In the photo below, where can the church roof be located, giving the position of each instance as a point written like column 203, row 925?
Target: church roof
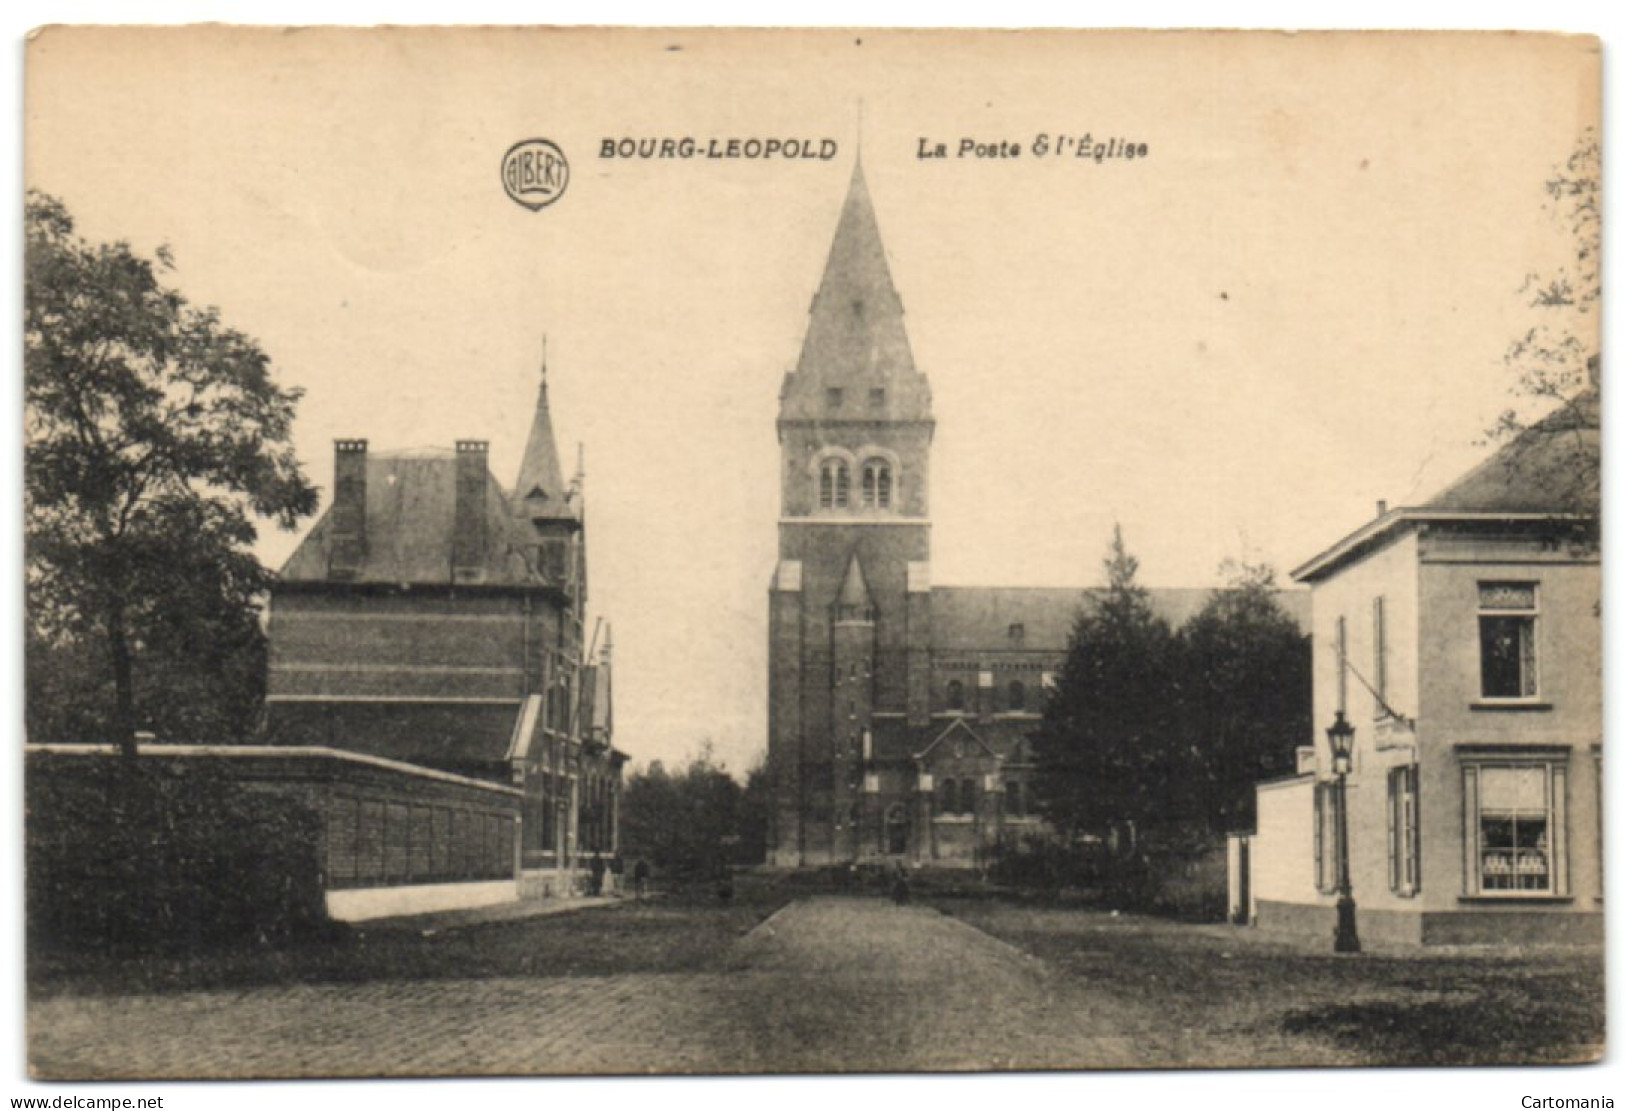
column 541, row 491
column 983, row 618
column 855, row 339
column 411, row 507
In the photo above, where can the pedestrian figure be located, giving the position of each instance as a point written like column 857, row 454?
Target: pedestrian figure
column 598, row 869
column 725, row 883
column 640, row 878
column 899, row 886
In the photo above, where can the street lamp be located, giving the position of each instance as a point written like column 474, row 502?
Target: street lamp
column 1341, row 736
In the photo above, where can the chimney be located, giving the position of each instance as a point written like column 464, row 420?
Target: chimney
column 349, row 544
column 1382, row 507
column 468, row 536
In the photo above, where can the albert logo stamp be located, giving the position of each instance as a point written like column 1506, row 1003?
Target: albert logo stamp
column 535, row 173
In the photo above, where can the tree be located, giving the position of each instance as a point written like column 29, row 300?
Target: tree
column 690, row 822
column 754, row 807
column 1247, row 694
column 1105, row 751
column 155, row 437
column 1556, row 363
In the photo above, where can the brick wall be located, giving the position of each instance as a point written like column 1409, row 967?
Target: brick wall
column 383, row 823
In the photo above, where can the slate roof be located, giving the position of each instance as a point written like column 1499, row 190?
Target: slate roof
column 1545, row 469
column 411, row 510
column 855, row 335
column 978, row 618
column 541, row 492
column 1550, row 470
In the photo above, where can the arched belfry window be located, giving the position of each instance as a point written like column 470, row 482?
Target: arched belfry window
column 834, row 484
column 877, row 484
column 956, row 695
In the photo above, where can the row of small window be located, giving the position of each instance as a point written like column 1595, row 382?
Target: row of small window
column 1015, row 696
column 835, row 485
column 958, row 797
column 1507, row 612
column 1514, row 822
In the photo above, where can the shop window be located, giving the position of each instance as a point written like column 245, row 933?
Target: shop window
column 1515, row 827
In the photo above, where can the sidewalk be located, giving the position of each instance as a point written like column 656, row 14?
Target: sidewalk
column 440, row 921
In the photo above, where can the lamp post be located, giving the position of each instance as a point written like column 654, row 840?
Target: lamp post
column 1341, row 736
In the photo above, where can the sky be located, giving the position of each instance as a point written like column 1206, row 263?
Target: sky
column 1297, row 303
column 1046, row 374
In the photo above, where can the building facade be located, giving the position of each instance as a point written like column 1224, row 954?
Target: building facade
column 899, row 711
column 1462, row 640
column 434, row 618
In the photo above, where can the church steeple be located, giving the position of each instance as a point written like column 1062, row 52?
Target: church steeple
column 541, row 492
column 855, row 362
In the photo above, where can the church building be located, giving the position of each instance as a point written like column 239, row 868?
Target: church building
column 899, row 712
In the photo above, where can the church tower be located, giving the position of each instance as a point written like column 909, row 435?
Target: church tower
column 849, row 609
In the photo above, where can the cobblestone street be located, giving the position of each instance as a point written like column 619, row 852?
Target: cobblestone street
column 824, row 984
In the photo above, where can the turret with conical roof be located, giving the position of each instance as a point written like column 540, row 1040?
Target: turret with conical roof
column 552, row 507
column 541, row 492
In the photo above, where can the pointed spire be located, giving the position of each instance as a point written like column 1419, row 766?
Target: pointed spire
column 856, row 268
column 856, row 347
column 540, row 491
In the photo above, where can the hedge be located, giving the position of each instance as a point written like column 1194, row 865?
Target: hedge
column 149, row 856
